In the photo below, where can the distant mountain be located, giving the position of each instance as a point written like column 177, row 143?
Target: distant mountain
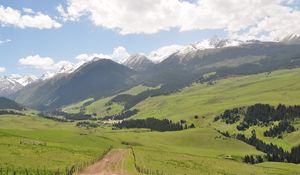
column 8, row 86
column 138, row 62
column 24, row 79
column 6, row 103
column 237, row 58
column 47, row 75
column 13, row 83
column 200, row 62
column 291, row 39
column 98, row 78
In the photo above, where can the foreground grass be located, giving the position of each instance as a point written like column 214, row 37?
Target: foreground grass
column 33, row 143
column 52, row 145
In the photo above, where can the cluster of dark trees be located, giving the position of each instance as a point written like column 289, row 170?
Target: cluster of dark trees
column 87, row 124
column 65, row 117
column 10, row 112
column 264, row 114
column 44, row 115
column 230, row 116
column 277, row 131
column 274, row 153
column 121, row 116
column 153, row 124
column 253, row 159
column 78, row 116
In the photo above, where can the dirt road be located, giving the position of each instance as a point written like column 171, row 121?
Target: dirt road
column 112, row 164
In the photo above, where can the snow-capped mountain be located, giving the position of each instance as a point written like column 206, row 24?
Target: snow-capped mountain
column 13, row 83
column 47, row 75
column 138, row 62
column 215, row 42
column 8, row 86
column 65, row 69
column 212, row 43
column 24, row 80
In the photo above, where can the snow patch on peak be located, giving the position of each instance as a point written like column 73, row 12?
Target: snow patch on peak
column 24, row 80
column 138, row 62
column 47, row 75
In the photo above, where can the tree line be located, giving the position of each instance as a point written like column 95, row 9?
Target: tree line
column 87, row 124
column 230, row 116
column 278, row 130
column 274, row 152
column 265, row 113
column 260, row 114
column 63, row 116
column 10, row 112
column 153, row 124
column 121, row 116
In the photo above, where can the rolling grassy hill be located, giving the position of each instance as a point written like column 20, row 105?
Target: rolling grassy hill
column 207, row 100
column 102, row 107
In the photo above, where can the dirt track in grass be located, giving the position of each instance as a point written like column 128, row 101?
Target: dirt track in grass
column 112, row 164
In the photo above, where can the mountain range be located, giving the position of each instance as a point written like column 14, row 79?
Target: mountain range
column 192, row 63
column 13, row 83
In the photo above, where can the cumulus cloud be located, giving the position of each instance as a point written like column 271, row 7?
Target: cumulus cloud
column 2, row 69
column 249, row 18
column 44, row 63
column 48, row 64
column 119, row 55
column 37, row 62
column 31, row 19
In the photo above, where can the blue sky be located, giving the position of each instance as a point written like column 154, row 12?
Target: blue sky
column 89, row 33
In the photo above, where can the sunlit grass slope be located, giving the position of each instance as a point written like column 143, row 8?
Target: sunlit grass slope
column 209, row 100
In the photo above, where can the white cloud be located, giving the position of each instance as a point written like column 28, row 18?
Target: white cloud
column 2, row 69
column 44, row 63
column 119, row 55
column 37, row 62
column 13, row 17
column 48, row 64
column 88, row 57
column 248, row 18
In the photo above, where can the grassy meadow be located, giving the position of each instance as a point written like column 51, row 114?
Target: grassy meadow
column 30, row 142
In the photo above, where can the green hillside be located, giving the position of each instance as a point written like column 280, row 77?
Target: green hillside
column 208, row 100
column 103, row 107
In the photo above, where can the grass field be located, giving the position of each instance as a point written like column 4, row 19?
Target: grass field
column 210, row 100
column 34, row 143
column 52, row 145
